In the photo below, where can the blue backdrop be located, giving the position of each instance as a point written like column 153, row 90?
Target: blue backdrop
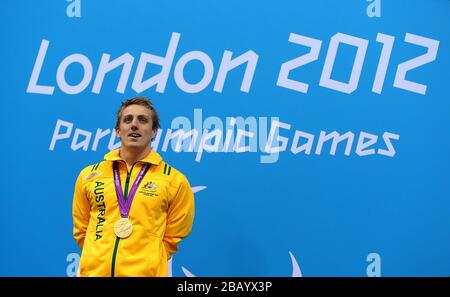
column 355, row 93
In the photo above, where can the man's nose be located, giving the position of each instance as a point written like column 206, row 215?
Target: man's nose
column 134, row 124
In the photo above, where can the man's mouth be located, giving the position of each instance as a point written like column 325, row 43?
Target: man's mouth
column 134, row 135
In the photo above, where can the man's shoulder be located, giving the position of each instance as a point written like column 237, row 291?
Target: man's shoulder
column 95, row 167
column 170, row 172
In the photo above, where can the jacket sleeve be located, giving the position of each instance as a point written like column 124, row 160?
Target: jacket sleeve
column 80, row 212
column 180, row 217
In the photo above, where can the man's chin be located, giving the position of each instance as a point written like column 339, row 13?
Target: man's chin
column 135, row 145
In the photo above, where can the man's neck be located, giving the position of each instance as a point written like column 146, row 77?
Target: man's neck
column 132, row 156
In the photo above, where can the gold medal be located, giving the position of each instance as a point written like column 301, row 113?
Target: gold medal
column 123, row 228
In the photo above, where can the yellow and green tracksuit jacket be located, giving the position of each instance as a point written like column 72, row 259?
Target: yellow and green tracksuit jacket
column 162, row 214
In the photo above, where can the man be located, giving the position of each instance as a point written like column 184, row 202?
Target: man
column 131, row 210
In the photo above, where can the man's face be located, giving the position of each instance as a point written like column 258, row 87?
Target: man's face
column 135, row 127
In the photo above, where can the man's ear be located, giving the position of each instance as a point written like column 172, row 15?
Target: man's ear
column 117, row 132
column 154, row 132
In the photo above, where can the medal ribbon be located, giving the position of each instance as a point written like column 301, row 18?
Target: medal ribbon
column 126, row 205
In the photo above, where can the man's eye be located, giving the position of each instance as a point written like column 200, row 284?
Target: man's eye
column 127, row 120
column 142, row 119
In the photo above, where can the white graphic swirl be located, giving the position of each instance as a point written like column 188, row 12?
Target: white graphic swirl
column 198, row 189
column 187, row 272
column 296, row 272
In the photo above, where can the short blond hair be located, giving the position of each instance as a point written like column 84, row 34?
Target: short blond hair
column 143, row 101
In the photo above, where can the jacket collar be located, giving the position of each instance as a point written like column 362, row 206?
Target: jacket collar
column 152, row 158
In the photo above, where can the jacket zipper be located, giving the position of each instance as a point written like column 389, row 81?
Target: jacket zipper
column 116, row 244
